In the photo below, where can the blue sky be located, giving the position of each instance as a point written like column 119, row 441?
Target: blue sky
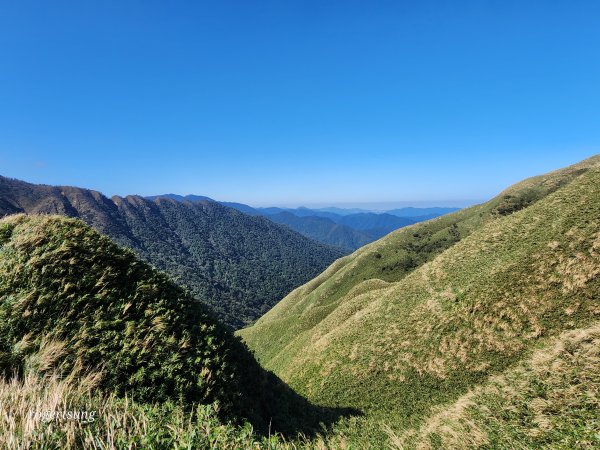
column 298, row 102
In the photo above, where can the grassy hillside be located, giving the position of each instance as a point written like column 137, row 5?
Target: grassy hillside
column 552, row 398
column 110, row 422
column 74, row 302
column 420, row 317
column 239, row 265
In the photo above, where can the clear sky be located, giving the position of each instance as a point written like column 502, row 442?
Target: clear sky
column 298, row 102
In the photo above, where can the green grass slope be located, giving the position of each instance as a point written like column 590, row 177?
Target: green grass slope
column 72, row 296
column 421, row 316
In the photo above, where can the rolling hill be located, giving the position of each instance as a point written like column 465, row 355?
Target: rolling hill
column 429, row 328
column 74, row 305
column 239, row 265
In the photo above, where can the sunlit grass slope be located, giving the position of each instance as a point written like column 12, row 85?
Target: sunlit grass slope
column 422, row 316
column 552, row 398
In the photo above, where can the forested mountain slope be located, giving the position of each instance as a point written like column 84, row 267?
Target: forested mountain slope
column 427, row 313
column 237, row 264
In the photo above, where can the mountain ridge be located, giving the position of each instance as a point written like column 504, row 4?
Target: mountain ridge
column 239, row 265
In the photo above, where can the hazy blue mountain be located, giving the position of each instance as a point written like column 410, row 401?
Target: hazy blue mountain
column 342, row 211
column 377, row 224
column 421, row 212
column 348, row 228
column 323, row 230
column 307, row 212
column 270, row 210
column 320, row 228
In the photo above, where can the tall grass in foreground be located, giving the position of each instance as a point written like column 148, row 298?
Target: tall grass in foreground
column 111, row 422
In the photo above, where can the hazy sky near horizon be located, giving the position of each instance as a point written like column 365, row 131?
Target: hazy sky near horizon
column 298, row 102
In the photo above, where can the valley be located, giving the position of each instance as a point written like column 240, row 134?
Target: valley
column 299, row 225
column 442, row 334
column 348, row 229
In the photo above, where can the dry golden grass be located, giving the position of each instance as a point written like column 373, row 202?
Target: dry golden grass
column 109, row 423
column 553, row 393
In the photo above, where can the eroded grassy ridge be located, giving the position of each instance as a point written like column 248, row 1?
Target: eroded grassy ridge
column 390, row 259
column 518, row 272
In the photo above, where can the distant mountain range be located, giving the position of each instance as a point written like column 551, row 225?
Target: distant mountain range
column 348, row 229
column 479, row 329
column 238, row 264
column 322, row 229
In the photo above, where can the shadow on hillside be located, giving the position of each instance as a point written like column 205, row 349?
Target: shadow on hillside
column 291, row 414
